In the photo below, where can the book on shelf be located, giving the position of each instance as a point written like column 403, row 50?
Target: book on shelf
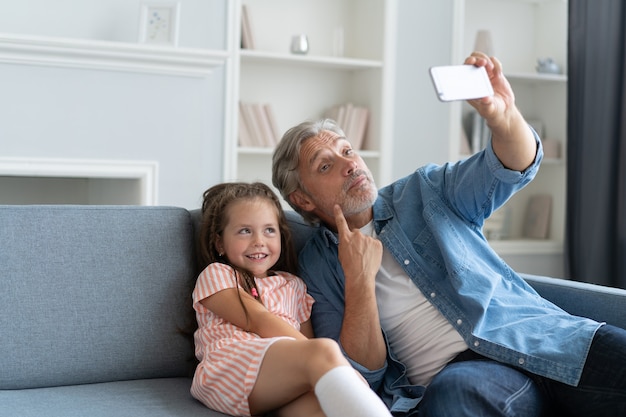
column 265, row 127
column 260, row 125
column 537, row 217
column 253, row 128
column 345, row 120
column 353, row 120
column 247, row 37
column 269, row 113
column 245, row 136
column 358, row 126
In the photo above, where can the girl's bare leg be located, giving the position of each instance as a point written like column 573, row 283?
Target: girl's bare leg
column 304, row 406
column 310, row 378
column 290, row 369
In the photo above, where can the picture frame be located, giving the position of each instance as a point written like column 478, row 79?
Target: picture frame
column 159, row 23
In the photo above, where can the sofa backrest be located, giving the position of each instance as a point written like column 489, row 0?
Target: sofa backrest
column 94, row 294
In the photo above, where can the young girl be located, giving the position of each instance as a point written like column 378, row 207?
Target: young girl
column 253, row 316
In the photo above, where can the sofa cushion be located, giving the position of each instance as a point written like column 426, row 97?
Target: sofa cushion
column 149, row 397
column 94, row 294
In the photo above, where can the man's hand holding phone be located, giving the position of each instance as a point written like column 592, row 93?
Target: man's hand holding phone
column 460, row 82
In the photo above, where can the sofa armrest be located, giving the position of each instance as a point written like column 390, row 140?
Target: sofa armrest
column 601, row 303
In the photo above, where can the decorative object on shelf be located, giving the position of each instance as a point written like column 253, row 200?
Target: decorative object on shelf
column 158, row 23
column 464, row 145
column 300, row 44
column 483, row 42
column 257, row 125
column 547, row 66
column 551, row 148
column 247, row 37
column 537, row 219
column 353, row 120
column 478, row 131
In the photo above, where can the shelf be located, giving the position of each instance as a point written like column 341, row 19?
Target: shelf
column 310, row 61
column 526, row 247
column 540, row 1
column 368, row 154
column 248, row 150
column 552, row 161
column 537, row 77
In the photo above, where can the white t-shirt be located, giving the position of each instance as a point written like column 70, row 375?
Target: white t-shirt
column 419, row 335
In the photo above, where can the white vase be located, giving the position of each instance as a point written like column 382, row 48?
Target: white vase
column 483, row 42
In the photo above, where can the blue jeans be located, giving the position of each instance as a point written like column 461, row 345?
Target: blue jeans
column 475, row 386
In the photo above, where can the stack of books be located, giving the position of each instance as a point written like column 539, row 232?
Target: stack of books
column 353, row 120
column 257, row 125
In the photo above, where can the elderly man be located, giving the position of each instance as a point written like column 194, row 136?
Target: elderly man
column 405, row 281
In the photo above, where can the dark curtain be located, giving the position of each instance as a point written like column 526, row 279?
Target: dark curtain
column 596, row 144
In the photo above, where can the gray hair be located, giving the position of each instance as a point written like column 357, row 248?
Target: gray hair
column 285, row 175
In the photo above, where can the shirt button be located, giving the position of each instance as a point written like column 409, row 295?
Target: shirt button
column 406, row 262
column 476, row 343
column 459, row 322
column 521, row 361
column 432, row 295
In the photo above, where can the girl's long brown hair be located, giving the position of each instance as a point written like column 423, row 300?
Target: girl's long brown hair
column 215, row 217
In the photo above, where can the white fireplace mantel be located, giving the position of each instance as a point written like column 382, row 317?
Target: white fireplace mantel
column 144, row 172
column 107, row 55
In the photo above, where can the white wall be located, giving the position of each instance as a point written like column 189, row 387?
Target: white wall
column 421, row 121
column 55, row 111
column 201, row 21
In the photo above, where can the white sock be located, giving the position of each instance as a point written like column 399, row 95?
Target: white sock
column 342, row 393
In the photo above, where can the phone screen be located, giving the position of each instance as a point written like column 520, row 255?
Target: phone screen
column 460, row 82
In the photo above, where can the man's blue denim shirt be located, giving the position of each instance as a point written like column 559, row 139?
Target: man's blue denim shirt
column 431, row 223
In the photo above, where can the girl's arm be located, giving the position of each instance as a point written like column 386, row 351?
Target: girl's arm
column 260, row 320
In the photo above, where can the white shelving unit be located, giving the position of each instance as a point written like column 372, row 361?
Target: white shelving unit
column 302, row 87
column 523, row 31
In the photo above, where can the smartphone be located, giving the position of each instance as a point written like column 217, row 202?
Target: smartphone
column 460, row 82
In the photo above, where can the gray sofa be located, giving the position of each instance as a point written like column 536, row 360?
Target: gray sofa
column 95, row 301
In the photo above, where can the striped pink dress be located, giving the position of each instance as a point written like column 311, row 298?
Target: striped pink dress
column 230, row 357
